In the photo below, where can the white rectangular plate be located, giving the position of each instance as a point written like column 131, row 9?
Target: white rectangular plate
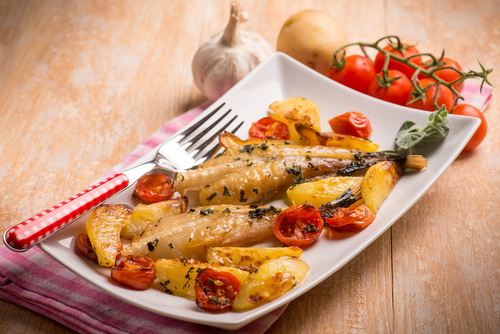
column 277, row 78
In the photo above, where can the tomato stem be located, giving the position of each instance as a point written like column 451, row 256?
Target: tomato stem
column 396, row 44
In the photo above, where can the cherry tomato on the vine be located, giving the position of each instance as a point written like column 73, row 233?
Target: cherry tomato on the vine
column 269, row 128
column 445, row 96
column 216, row 290
column 357, row 73
column 352, row 219
column 351, row 123
column 153, row 188
column 478, row 137
column 134, row 271
column 396, row 65
column 396, row 93
column 447, row 75
column 298, row 225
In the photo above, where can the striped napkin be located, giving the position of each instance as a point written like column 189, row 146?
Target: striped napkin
column 37, row 282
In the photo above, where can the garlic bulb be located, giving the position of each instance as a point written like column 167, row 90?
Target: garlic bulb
column 227, row 57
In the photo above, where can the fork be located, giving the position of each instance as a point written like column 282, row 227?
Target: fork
column 178, row 153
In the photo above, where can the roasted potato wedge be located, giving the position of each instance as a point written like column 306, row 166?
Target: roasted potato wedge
column 274, row 278
column 246, row 258
column 314, row 137
column 103, row 228
column 322, row 191
column 296, row 109
column 145, row 215
column 178, row 276
column 227, row 139
column 378, row 183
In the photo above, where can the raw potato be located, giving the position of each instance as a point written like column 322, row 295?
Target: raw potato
column 103, row 227
column 320, row 192
column 348, row 142
column 178, row 276
column 145, row 215
column 378, row 183
column 246, row 258
column 312, row 37
column 274, row 278
column 296, row 109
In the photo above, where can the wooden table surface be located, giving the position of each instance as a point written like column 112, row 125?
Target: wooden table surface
column 82, row 83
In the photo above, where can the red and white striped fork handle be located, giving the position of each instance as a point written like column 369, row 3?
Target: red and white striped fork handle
column 30, row 232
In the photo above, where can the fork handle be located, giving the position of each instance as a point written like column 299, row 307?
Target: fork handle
column 31, row 231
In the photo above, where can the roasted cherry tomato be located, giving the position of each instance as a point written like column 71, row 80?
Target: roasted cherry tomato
column 351, row 123
column 447, row 75
column 357, row 73
column 269, row 128
column 216, row 290
column 134, row 271
column 396, row 93
column 298, row 225
column 352, row 219
column 85, row 247
column 445, row 96
column 396, row 65
column 478, row 137
column 153, row 188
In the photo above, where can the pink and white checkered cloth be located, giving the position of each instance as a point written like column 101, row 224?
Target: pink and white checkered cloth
column 37, row 282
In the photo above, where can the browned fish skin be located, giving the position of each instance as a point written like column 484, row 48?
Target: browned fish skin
column 236, row 158
column 186, row 235
column 260, row 183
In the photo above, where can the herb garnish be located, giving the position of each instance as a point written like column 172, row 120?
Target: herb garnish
column 242, row 196
column 295, row 170
column 211, row 197
column 411, row 135
column 206, row 212
column 226, row 192
column 153, row 244
column 247, row 148
column 310, row 228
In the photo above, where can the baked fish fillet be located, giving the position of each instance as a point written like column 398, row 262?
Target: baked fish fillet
column 241, row 159
column 186, row 235
column 253, row 174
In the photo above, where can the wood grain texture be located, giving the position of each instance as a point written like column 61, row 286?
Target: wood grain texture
column 83, row 83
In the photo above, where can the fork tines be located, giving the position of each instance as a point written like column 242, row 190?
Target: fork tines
column 200, row 135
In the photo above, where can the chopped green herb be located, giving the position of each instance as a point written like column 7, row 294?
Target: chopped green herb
column 206, row 212
column 255, row 190
column 171, row 245
column 247, row 149
column 211, row 197
column 226, row 192
column 310, row 228
column 152, row 244
column 242, row 196
column 295, row 170
column 226, row 210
